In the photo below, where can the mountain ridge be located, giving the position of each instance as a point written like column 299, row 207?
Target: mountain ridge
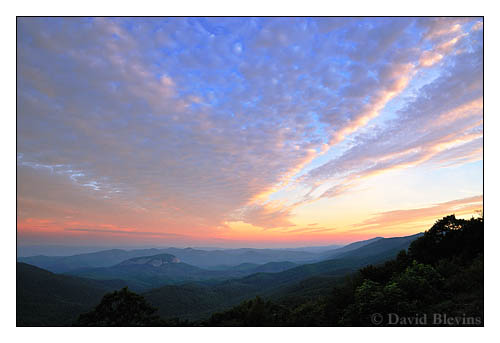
column 201, row 292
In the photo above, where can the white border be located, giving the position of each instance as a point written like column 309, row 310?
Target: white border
column 254, row 7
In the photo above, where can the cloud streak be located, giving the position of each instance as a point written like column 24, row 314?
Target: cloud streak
column 179, row 125
column 443, row 121
column 121, row 232
column 391, row 219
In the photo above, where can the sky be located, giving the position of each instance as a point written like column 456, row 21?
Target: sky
column 245, row 132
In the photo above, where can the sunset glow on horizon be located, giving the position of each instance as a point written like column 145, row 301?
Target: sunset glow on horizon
column 245, row 132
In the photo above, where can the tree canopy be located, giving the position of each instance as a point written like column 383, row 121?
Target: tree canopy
column 121, row 308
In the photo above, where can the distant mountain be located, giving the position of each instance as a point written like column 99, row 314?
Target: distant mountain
column 105, row 258
column 232, row 257
column 316, row 249
column 47, row 299
column 388, row 246
column 299, row 281
column 197, row 301
column 251, row 268
column 241, row 266
column 57, row 250
column 338, row 251
column 182, row 290
column 154, row 261
column 208, row 259
column 273, row 267
column 195, row 257
column 147, row 272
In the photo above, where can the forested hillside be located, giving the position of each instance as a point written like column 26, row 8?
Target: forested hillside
column 48, row 299
column 439, row 281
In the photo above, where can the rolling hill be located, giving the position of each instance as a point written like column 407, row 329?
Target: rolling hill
column 148, row 272
column 314, row 278
column 47, row 299
column 380, row 246
column 331, row 253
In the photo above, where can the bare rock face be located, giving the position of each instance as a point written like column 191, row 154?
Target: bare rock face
column 155, row 261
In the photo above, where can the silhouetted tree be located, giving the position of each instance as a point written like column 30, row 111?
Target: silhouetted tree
column 254, row 312
column 461, row 238
column 121, row 308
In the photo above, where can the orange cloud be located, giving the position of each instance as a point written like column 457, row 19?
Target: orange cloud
column 268, row 215
column 429, row 58
column 392, row 219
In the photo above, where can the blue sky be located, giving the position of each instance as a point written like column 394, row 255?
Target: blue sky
column 245, row 131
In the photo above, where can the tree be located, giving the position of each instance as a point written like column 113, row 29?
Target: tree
column 121, row 308
column 461, row 238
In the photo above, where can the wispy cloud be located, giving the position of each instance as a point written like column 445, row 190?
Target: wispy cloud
column 178, row 125
column 121, row 232
column 443, row 123
column 387, row 220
